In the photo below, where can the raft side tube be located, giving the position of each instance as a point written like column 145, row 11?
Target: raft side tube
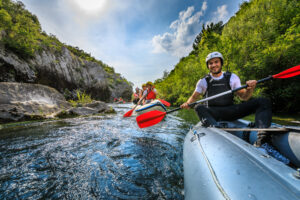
column 218, row 165
column 286, row 142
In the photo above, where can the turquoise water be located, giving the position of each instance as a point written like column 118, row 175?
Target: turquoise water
column 102, row 157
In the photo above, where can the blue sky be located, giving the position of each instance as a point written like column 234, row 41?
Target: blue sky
column 139, row 38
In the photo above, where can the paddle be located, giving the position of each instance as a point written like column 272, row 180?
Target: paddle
column 164, row 102
column 129, row 113
column 154, row 117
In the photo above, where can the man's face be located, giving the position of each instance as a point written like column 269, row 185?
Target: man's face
column 214, row 65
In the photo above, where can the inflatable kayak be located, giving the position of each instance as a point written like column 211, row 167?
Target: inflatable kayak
column 154, row 105
column 221, row 164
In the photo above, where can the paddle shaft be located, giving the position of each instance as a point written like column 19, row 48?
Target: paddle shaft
column 221, row 94
column 129, row 113
column 140, row 100
column 137, row 104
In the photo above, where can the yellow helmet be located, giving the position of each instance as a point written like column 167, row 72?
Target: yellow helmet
column 144, row 85
column 149, row 83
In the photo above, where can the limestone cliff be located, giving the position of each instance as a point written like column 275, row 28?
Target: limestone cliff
column 65, row 72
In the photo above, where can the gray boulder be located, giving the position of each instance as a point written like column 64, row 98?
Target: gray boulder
column 24, row 101
column 93, row 108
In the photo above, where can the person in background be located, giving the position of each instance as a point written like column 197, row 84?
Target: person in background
column 151, row 92
column 143, row 92
column 136, row 95
column 223, row 108
column 121, row 100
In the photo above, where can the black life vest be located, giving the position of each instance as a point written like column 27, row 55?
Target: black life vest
column 218, row 86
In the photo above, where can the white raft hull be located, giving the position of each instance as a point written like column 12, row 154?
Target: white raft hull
column 154, row 105
column 219, row 165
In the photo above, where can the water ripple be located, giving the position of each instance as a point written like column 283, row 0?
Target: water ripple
column 101, row 157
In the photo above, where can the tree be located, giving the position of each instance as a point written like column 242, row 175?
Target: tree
column 263, row 38
column 217, row 28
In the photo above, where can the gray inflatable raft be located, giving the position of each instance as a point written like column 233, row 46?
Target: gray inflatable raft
column 220, row 165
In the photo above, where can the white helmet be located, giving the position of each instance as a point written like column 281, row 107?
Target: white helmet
column 214, row 55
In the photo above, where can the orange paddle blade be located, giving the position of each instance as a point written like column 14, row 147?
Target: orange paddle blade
column 294, row 71
column 150, row 118
column 129, row 113
column 164, row 102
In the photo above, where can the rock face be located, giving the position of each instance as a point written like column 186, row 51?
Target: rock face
column 29, row 101
column 24, row 101
column 65, row 72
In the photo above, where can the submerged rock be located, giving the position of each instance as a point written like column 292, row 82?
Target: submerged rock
column 92, row 108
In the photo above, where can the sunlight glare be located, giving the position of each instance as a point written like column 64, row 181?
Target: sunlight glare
column 90, row 5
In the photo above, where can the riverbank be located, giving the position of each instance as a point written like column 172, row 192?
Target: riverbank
column 189, row 116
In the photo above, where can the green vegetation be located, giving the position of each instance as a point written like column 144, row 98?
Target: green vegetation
column 83, row 98
column 191, row 117
column 262, row 39
column 21, row 33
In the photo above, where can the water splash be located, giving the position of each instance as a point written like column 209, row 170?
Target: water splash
column 102, row 157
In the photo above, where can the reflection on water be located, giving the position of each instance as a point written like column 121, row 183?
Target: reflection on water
column 103, row 157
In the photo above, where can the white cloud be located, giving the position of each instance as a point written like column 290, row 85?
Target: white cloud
column 184, row 30
column 204, row 6
column 115, row 32
column 90, row 6
column 221, row 14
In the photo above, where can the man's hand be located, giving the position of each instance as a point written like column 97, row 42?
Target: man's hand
column 192, row 98
column 246, row 94
column 185, row 105
column 251, row 84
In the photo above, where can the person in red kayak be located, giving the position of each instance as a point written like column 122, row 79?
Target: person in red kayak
column 150, row 94
column 223, row 108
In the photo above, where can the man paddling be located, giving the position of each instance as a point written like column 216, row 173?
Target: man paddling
column 223, row 108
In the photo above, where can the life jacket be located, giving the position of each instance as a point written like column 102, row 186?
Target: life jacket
column 216, row 87
column 151, row 95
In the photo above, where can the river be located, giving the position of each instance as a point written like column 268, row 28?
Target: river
column 99, row 157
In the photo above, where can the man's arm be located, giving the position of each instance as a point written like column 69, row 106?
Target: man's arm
column 192, row 99
column 141, row 94
column 142, row 99
column 154, row 90
column 246, row 94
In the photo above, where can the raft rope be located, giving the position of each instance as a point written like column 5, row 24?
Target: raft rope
column 211, row 169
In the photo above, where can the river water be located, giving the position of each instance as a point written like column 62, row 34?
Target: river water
column 100, row 157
